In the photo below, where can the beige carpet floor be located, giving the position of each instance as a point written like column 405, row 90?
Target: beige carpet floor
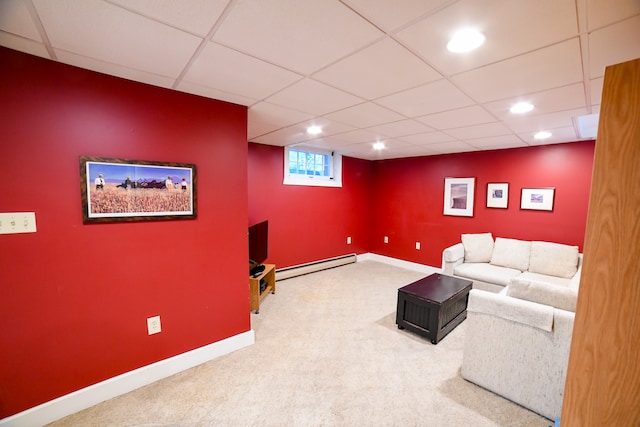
column 327, row 353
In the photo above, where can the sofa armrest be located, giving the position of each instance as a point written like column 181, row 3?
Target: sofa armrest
column 452, row 257
column 513, row 309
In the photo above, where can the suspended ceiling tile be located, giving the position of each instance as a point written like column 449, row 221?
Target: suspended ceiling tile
column 430, row 98
column 23, row 45
column 466, row 116
column 222, row 68
column 302, row 36
column 114, row 69
column 364, row 115
column 282, row 137
column 256, row 129
column 428, row 138
column 213, row 93
column 478, row 131
column 275, row 115
column 392, row 15
column 603, row 12
column 297, row 133
column 313, row 97
column 614, row 44
column 452, row 147
column 511, row 28
column 596, row 90
column 392, row 148
column 16, row 19
column 113, row 35
column 544, row 121
column 496, row 142
column 366, row 73
column 198, row 18
column 547, row 68
column 356, row 136
column 558, row 99
column 401, row 128
column 558, row 135
column 263, row 118
column 329, row 127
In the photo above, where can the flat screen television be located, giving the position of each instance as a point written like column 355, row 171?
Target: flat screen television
column 258, row 246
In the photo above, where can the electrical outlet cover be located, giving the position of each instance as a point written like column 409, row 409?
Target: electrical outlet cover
column 153, row 325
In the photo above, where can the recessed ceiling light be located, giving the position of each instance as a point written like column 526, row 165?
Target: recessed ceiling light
column 314, row 130
column 521, row 108
column 465, row 40
column 543, row 134
column 379, row 145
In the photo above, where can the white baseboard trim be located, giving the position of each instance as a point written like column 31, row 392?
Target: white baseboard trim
column 422, row 268
column 121, row 384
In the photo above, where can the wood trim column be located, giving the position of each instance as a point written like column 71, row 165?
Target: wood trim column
column 603, row 377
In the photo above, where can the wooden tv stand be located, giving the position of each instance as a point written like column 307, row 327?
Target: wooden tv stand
column 255, row 296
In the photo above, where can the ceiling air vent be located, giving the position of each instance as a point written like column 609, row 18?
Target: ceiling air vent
column 587, row 126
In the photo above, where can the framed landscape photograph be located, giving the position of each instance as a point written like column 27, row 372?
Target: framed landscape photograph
column 539, row 199
column 458, row 196
column 136, row 190
column 498, row 195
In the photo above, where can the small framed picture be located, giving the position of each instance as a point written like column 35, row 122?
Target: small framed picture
column 458, row 196
column 498, row 195
column 538, row 199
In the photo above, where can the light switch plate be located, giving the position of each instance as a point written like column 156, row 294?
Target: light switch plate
column 17, row 222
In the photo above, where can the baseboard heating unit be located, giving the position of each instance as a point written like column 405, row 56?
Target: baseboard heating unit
column 312, row 267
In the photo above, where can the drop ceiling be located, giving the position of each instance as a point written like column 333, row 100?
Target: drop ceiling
column 364, row 70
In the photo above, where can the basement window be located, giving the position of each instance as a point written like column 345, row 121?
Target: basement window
column 312, row 166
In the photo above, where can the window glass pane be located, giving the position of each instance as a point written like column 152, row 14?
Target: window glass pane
column 302, row 164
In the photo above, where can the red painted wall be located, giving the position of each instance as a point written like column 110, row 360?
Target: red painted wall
column 408, row 198
column 74, row 298
column 309, row 223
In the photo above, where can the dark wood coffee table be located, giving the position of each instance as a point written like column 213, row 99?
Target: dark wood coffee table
column 433, row 306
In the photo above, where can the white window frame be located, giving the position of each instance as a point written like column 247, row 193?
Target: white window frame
column 312, row 180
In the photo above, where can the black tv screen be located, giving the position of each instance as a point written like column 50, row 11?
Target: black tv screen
column 258, row 243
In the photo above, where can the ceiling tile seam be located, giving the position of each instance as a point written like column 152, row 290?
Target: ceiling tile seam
column 444, row 75
column 409, row 23
column 43, row 33
column 508, row 58
column 152, row 18
column 613, row 23
column 582, row 14
column 413, row 119
column 203, row 44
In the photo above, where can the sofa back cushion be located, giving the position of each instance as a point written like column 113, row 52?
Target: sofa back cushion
column 511, row 253
column 561, row 297
column 553, row 259
column 477, row 247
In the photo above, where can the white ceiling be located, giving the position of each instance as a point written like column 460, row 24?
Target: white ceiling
column 365, row 70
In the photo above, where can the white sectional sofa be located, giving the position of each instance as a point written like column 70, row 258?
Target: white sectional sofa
column 517, row 343
column 517, row 340
column 492, row 264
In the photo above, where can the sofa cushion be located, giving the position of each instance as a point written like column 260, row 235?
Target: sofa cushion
column 545, row 278
column 511, row 253
column 477, row 247
column 554, row 259
column 561, row 297
column 486, row 272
